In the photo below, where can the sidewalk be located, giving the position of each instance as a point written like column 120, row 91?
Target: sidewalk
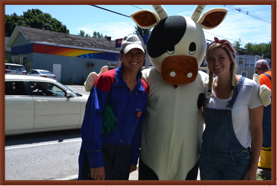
column 262, row 174
column 134, row 175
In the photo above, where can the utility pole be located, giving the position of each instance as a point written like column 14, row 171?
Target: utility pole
column 245, row 65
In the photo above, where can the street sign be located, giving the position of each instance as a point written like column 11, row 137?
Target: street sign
column 118, row 43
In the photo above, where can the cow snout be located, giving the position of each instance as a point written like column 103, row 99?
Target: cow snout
column 179, row 70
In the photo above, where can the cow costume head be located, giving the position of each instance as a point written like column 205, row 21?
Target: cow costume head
column 177, row 44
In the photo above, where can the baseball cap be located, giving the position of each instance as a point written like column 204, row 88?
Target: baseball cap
column 132, row 41
column 261, row 63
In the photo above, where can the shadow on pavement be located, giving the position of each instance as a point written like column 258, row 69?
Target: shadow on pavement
column 42, row 137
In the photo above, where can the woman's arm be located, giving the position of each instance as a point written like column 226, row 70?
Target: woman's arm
column 91, row 130
column 256, row 117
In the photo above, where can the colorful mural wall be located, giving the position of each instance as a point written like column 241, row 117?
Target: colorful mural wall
column 64, row 51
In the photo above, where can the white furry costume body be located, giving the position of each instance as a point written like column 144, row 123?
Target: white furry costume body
column 172, row 129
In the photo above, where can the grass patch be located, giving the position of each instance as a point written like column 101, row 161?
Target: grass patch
column 264, row 174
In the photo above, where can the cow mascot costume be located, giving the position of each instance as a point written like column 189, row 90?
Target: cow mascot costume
column 173, row 125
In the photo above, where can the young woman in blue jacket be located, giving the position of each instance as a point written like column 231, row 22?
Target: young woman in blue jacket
column 112, row 156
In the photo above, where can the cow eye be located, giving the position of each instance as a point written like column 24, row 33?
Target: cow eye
column 192, row 48
column 170, row 50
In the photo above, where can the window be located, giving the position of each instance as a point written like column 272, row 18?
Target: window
column 8, row 67
column 46, row 89
column 241, row 61
column 15, row 88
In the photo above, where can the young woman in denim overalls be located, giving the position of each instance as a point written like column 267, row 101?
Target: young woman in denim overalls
column 233, row 117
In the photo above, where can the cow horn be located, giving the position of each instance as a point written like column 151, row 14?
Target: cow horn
column 159, row 9
column 197, row 12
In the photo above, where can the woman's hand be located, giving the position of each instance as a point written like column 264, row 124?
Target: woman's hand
column 250, row 174
column 98, row 173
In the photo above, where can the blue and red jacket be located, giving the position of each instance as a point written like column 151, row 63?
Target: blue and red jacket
column 129, row 109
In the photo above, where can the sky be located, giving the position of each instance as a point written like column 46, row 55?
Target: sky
column 252, row 24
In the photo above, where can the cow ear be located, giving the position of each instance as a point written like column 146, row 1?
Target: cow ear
column 145, row 18
column 212, row 18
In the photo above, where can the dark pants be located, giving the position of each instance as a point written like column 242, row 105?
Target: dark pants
column 117, row 162
column 146, row 173
column 267, row 126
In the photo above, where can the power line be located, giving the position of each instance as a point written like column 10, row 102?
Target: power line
column 136, row 7
column 246, row 12
column 249, row 14
column 110, row 11
column 151, row 20
column 120, row 13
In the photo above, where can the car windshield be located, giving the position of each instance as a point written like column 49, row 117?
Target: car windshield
column 46, row 72
column 77, row 95
column 19, row 68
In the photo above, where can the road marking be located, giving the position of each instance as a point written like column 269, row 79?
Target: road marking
column 41, row 144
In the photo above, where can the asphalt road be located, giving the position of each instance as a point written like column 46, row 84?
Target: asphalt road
column 42, row 156
column 45, row 155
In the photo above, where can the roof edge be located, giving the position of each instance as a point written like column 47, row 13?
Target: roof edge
column 13, row 36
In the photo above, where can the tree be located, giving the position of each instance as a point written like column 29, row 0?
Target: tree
column 259, row 49
column 98, row 35
column 34, row 18
column 141, row 31
column 236, row 44
column 95, row 34
column 82, row 33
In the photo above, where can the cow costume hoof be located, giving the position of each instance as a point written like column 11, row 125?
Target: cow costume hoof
column 146, row 173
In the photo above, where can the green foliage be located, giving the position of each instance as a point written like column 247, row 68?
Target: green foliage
column 34, row 18
column 142, row 31
column 255, row 49
column 95, row 34
column 259, row 49
column 98, row 35
column 82, row 33
column 263, row 174
column 236, row 44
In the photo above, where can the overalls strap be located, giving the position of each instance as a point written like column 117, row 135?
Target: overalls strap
column 235, row 94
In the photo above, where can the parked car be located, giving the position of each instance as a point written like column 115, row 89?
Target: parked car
column 12, row 68
column 36, row 104
column 41, row 73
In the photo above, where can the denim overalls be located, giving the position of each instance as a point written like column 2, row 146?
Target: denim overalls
column 222, row 156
